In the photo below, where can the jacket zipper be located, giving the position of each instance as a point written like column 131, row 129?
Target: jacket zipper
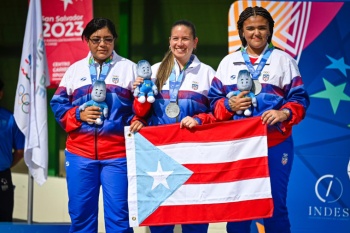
column 96, row 128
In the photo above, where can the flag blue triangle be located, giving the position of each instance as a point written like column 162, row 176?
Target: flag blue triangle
column 147, row 157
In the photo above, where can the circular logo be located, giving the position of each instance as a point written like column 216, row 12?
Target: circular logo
column 328, row 189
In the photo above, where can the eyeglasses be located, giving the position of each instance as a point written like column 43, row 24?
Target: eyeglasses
column 99, row 40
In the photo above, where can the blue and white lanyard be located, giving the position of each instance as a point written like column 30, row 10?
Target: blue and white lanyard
column 256, row 73
column 104, row 72
column 175, row 84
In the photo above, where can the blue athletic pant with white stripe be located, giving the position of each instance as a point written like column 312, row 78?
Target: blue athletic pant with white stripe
column 84, row 179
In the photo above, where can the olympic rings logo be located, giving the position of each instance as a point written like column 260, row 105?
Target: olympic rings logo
column 24, row 99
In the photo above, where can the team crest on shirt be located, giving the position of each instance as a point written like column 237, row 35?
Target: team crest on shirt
column 233, row 77
column 284, row 159
column 115, row 79
column 265, row 76
column 83, row 79
column 194, row 85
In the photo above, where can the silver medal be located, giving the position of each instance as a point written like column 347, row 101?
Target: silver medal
column 172, row 110
column 256, row 89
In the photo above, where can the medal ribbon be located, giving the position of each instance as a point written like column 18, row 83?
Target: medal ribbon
column 256, row 73
column 175, row 84
column 105, row 68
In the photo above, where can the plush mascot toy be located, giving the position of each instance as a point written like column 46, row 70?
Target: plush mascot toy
column 244, row 83
column 98, row 96
column 147, row 88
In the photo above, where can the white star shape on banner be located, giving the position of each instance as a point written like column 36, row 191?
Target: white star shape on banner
column 66, row 2
column 160, row 176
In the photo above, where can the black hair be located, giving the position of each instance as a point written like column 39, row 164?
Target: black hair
column 1, row 85
column 254, row 11
column 96, row 24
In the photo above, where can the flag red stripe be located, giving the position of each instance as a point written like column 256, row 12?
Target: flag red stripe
column 216, row 132
column 209, row 213
column 228, row 172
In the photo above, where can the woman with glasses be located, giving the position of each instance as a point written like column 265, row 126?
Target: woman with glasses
column 95, row 153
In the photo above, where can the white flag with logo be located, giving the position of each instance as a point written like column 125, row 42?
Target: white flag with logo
column 30, row 110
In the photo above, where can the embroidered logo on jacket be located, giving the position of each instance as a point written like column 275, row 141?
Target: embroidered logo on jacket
column 194, row 85
column 115, row 79
column 265, row 76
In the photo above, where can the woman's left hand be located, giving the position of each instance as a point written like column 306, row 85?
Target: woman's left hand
column 136, row 126
column 188, row 122
column 272, row 117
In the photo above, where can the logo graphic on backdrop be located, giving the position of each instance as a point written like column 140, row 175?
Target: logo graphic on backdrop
column 63, row 24
column 329, row 189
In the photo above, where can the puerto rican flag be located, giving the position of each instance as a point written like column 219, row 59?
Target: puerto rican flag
column 213, row 173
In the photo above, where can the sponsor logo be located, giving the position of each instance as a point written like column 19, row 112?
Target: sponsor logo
column 329, row 190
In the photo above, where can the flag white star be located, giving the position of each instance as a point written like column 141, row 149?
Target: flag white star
column 160, row 176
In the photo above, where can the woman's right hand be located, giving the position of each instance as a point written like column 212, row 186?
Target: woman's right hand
column 137, row 82
column 188, row 122
column 90, row 114
column 239, row 102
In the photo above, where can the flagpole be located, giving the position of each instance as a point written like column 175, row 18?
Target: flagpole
column 30, row 199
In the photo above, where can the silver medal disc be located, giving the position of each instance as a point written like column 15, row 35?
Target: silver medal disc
column 256, row 89
column 172, row 110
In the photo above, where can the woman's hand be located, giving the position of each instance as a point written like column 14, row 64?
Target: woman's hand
column 272, row 117
column 137, row 82
column 239, row 102
column 188, row 122
column 136, row 126
column 90, row 114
